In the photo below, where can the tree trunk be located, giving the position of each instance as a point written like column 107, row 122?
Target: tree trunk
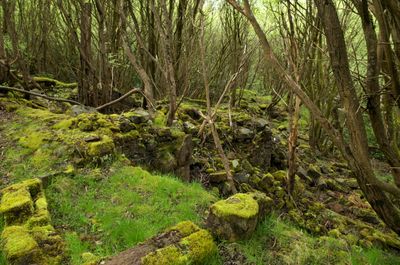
column 85, row 91
column 358, row 154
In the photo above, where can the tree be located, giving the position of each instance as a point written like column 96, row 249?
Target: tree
column 356, row 150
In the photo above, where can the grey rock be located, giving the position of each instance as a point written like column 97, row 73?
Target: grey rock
column 260, row 123
column 245, row 133
column 79, row 109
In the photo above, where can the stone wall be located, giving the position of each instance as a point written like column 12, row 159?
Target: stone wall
column 28, row 236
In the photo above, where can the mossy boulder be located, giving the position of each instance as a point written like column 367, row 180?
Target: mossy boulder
column 16, row 202
column 101, row 148
column 182, row 244
column 236, row 217
column 16, row 206
column 28, row 237
column 19, row 246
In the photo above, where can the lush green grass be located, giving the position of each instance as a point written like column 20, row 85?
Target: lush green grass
column 117, row 209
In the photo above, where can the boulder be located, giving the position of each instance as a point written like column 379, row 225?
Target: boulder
column 244, row 134
column 138, row 116
column 79, row 109
column 260, row 123
column 236, row 217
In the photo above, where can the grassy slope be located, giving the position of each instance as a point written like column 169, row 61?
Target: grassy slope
column 100, row 209
column 110, row 208
column 117, row 210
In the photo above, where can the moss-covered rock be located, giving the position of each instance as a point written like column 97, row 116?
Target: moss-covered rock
column 199, row 246
column 237, row 217
column 182, row 244
column 16, row 206
column 241, row 205
column 101, row 148
column 185, row 228
column 28, row 237
column 16, row 202
column 19, row 246
column 169, row 255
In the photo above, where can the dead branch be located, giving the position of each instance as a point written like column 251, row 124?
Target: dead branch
column 132, row 91
column 40, row 95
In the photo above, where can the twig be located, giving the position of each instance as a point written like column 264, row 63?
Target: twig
column 40, row 95
column 132, row 91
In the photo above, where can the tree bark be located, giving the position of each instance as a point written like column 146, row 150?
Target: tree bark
column 85, row 89
column 358, row 155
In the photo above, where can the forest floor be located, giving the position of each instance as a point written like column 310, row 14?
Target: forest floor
column 108, row 204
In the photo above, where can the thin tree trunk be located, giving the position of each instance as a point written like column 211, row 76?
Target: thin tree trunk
column 292, row 144
column 358, row 155
column 373, row 90
column 210, row 116
column 85, row 93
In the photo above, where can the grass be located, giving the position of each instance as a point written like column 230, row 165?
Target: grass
column 116, row 210
column 280, row 242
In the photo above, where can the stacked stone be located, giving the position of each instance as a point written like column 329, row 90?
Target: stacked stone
column 28, row 236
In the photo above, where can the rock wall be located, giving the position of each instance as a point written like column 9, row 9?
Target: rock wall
column 28, row 236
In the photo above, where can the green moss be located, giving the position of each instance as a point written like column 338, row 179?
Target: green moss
column 64, row 124
column 54, row 82
column 18, row 243
column 280, row 175
column 101, row 148
column 87, row 125
column 185, row 228
column 134, row 134
column 200, row 246
column 41, row 158
column 176, row 133
column 70, row 169
column 18, row 200
column 16, row 206
column 34, row 140
column 42, row 233
column 34, row 186
column 41, row 204
column 169, row 255
column 40, row 218
column 160, row 119
column 240, row 204
column 89, row 259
